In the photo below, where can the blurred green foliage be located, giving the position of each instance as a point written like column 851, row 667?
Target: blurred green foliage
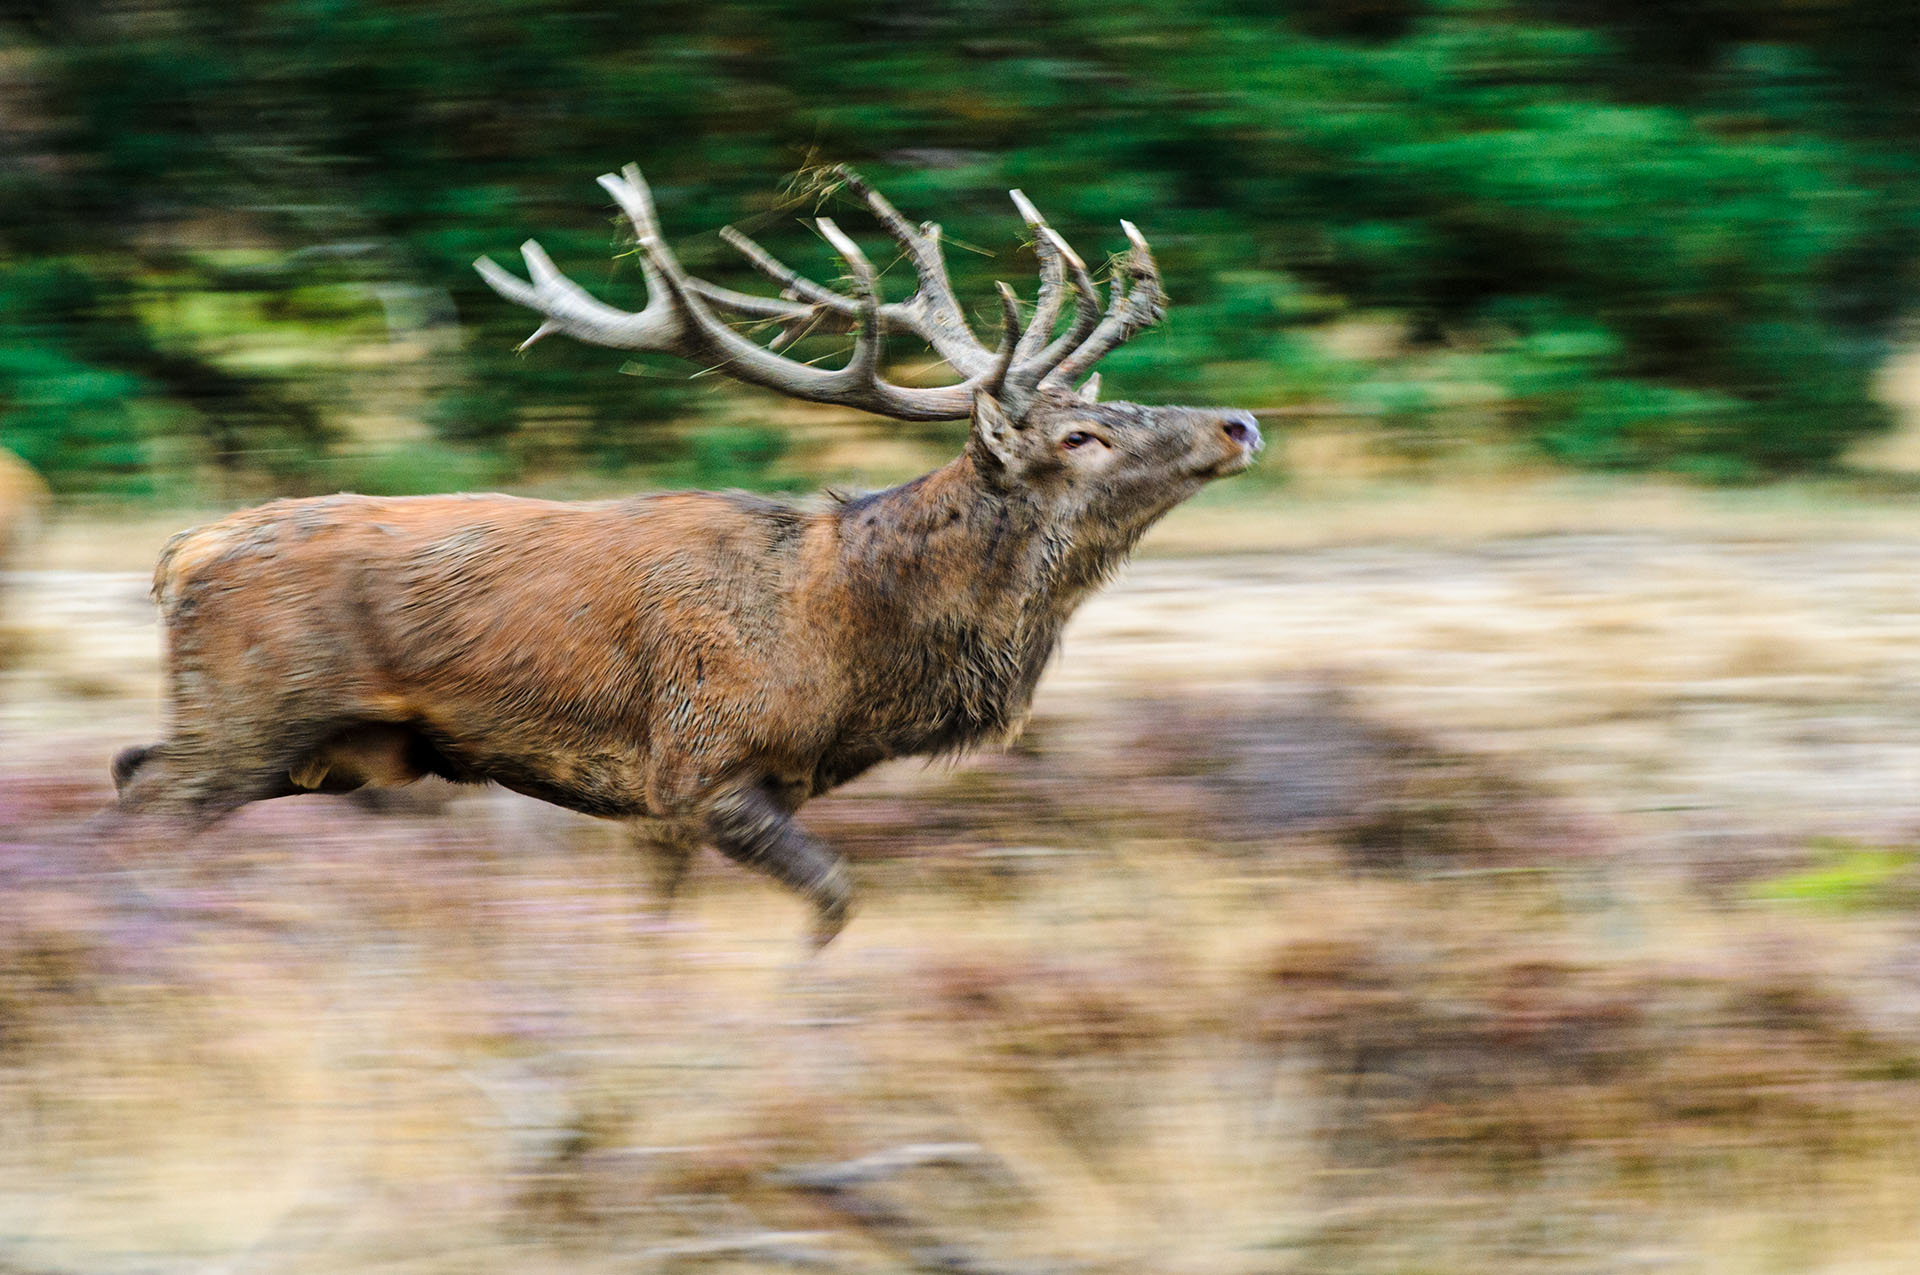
column 1669, row 236
column 1846, row 876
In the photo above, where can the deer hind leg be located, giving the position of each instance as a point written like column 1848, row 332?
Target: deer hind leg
column 754, row 830
column 200, row 778
column 208, row 767
column 172, row 781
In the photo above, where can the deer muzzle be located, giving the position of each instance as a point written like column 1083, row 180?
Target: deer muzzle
column 1240, row 436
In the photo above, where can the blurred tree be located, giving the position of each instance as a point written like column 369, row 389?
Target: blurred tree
column 1673, row 237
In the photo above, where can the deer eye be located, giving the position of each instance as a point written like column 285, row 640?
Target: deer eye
column 1079, row 438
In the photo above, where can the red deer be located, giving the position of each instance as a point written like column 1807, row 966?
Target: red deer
column 697, row 663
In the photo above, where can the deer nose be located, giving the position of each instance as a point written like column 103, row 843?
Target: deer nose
column 1242, row 429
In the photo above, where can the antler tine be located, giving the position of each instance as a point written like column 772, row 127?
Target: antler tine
column 790, row 280
column 812, row 308
column 921, row 244
column 567, row 307
column 948, row 335
column 936, row 314
column 913, row 241
column 1053, row 280
column 1135, row 307
column 1086, row 316
column 631, row 192
column 871, row 338
column 856, row 385
column 933, row 313
column 1009, row 339
column 635, row 198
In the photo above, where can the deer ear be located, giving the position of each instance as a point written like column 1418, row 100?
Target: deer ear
column 995, row 427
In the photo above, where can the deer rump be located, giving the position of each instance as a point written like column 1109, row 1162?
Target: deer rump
column 561, row 650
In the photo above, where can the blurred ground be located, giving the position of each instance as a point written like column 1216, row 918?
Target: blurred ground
column 1533, row 893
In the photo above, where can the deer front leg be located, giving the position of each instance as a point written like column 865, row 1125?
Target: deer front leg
column 754, row 830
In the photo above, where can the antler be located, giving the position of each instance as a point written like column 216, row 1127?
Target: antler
column 680, row 315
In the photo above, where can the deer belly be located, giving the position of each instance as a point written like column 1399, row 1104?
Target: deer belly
column 594, row 777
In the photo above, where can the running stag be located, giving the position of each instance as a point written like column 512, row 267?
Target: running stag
column 696, row 663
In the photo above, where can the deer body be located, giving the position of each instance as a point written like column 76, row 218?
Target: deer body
column 617, row 658
column 698, row 663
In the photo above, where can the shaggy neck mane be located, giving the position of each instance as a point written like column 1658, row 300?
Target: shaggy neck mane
column 963, row 584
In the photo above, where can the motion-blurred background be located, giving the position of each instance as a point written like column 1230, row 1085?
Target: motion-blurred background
column 1482, row 838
